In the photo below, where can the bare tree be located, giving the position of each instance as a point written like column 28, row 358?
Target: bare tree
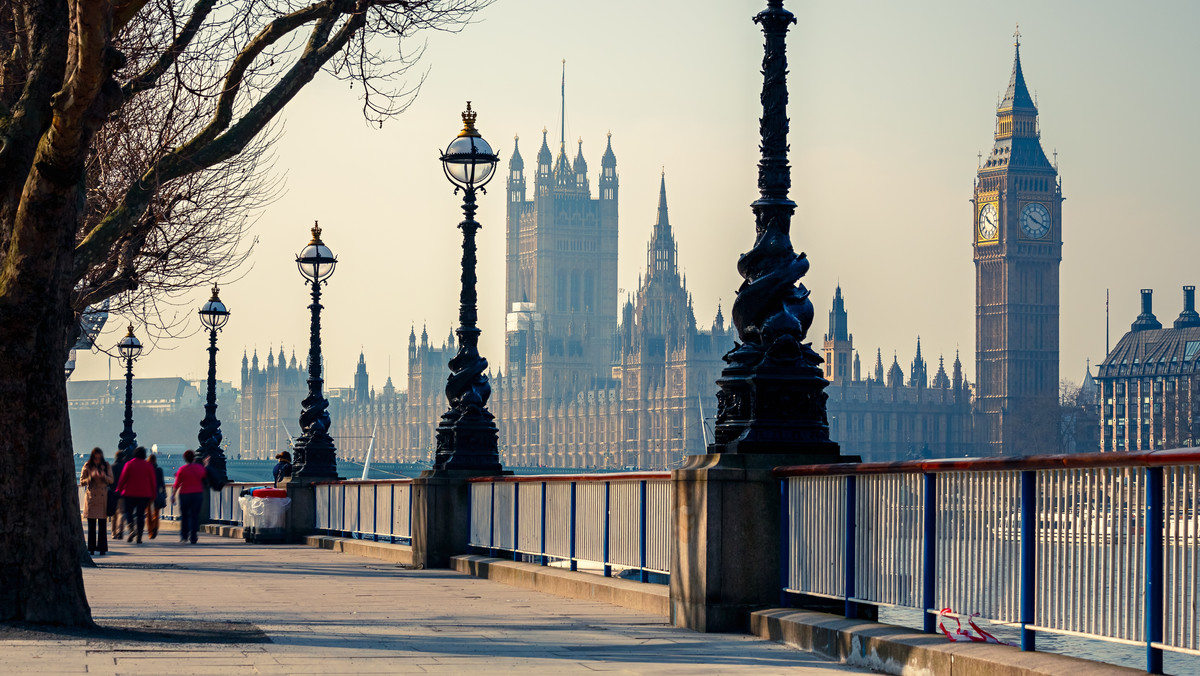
column 120, row 120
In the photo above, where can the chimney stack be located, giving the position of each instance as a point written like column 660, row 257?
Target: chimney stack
column 1146, row 320
column 1188, row 317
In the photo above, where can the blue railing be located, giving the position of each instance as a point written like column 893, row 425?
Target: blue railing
column 1101, row 546
column 368, row 510
column 597, row 522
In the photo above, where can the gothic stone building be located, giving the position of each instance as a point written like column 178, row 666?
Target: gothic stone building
column 1149, row 385
column 1017, row 245
column 884, row 417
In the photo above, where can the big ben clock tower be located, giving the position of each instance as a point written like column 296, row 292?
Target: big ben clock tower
column 1017, row 242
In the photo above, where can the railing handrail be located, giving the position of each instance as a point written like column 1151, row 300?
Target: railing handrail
column 363, row 482
column 538, row 478
column 1178, row 456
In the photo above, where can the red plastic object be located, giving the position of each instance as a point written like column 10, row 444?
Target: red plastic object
column 269, row 493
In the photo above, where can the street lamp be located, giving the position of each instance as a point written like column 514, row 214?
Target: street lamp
column 771, row 398
column 314, row 455
column 130, row 348
column 467, row 434
column 213, row 316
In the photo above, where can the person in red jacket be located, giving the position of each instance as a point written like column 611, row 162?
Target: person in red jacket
column 138, row 485
column 189, row 486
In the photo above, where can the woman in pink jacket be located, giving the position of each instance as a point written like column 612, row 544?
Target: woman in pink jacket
column 189, row 486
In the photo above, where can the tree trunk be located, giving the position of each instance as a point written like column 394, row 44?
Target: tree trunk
column 41, row 536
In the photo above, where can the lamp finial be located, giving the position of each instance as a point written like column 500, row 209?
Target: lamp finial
column 468, row 118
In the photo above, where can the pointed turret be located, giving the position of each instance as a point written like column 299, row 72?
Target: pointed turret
column 958, row 376
column 879, row 365
column 515, row 163
column 609, row 160
column 544, row 158
column 1089, row 391
column 838, row 329
column 918, row 375
column 254, row 360
column 719, row 320
column 940, row 379
column 857, row 368
column 580, row 165
column 660, row 255
column 895, row 376
column 245, row 362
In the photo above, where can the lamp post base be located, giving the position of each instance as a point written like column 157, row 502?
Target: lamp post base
column 467, row 444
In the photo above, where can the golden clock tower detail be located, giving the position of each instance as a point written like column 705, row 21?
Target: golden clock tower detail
column 1017, row 242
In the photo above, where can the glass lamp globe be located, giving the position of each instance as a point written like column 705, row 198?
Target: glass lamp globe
column 316, row 262
column 469, row 161
column 130, row 347
column 214, row 314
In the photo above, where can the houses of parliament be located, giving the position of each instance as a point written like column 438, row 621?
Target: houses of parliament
column 590, row 380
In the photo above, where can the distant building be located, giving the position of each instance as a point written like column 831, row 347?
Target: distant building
column 1149, row 384
column 883, row 416
column 166, row 411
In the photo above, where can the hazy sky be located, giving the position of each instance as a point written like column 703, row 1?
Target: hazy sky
column 890, row 102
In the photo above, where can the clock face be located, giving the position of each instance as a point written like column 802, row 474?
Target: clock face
column 1035, row 220
column 989, row 221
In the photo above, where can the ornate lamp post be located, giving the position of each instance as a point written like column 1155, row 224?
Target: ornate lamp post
column 467, row 434
column 130, row 348
column 314, row 454
column 213, row 316
column 771, row 397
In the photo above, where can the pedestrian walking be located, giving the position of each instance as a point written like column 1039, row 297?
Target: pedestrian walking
column 96, row 477
column 189, row 487
column 136, row 487
column 283, row 468
column 160, row 498
column 116, row 504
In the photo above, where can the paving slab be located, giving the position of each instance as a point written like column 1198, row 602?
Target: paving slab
column 227, row 607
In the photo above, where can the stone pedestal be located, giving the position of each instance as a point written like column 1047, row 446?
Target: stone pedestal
column 725, row 562
column 302, row 512
column 441, row 515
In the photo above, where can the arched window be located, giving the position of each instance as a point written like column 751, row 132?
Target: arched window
column 561, row 303
column 576, row 292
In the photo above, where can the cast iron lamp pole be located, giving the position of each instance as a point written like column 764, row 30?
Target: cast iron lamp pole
column 130, row 348
column 213, row 316
column 771, row 395
column 467, row 434
column 314, row 456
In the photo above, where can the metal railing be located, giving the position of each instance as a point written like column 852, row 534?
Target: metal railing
column 601, row 521
column 367, row 510
column 223, row 505
column 1102, row 546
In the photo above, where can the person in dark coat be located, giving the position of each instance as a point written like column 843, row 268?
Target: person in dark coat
column 137, row 486
column 283, row 468
column 116, row 505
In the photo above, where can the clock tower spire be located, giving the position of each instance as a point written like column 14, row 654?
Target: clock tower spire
column 1017, row 244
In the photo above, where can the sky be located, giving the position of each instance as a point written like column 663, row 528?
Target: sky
column 890, row 104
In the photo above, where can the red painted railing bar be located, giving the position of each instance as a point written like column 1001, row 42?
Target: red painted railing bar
column 1182, row 456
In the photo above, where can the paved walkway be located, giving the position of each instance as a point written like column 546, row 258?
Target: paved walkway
column 225, row 607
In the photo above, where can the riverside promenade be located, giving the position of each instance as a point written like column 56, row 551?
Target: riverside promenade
column 226, row 607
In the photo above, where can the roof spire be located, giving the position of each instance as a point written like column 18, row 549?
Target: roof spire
column 1017, row 96
column 662, row 201
column 562, row 138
